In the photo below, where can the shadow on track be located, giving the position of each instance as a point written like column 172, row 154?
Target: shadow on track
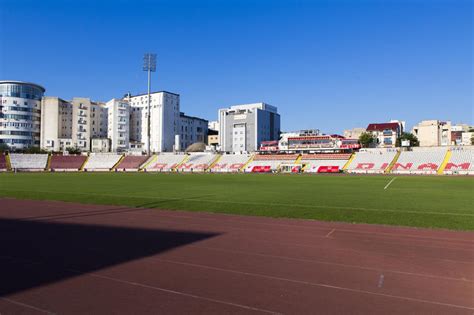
column 37, row 253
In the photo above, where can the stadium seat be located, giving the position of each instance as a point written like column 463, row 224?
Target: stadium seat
column 28, row 162
column 230, row 163
column 324, row 163
column 131, row 162
column 419, row 161
column 269, row 162
column 461, row 162
column 197, row 162
column 372, row 161
column 3, row 162
column 165, row 162
column 101, row 161
column 67, row 162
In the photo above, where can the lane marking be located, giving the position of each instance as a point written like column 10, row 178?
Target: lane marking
column 175, row 292
column 330, row 232
column 386, row 186
column 381, row 279
column 320, row 285
column 389, row 241
column 333, row 263
column 27, row 306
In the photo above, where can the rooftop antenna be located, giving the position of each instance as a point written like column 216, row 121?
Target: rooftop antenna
column 149, row 65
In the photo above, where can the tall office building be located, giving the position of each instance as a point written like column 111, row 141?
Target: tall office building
column 243, row 127
column 20, row 109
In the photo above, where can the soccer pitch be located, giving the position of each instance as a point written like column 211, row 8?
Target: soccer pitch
column 430, row 201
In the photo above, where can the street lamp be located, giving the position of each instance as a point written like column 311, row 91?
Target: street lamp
column 149, row 64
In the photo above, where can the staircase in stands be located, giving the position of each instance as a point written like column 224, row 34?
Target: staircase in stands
column 447, row 157
column 392, row 164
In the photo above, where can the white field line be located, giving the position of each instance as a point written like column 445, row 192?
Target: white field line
column 386, row 186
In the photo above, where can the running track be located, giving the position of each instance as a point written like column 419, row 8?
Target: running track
column 69, row 258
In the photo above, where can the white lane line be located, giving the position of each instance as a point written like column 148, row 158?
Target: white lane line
column 330, row 232
column 381, row 279
column 386, row 186
column 177, row 292
column 331, row 263
column 317, row 284
column 26, row 305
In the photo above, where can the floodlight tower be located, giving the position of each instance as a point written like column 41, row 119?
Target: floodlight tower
column 149, row 64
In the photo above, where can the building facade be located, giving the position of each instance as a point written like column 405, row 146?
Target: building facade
column 353, row 133
column 387, row 134
column 164, row 120
column 20, row 114
column 192, row 130
column 118, row 123
column 72, row 123
column 432, row 133
column 242, row 128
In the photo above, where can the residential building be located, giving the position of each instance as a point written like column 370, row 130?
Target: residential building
column 192, row 130
column 20, row 114
column 213, row 138
column 353, row 133
column 213, row 125
column 432, row 133
column 71, row 123
column 387, row 133
column 164, row 120
column 118, row 122
column 242, row 128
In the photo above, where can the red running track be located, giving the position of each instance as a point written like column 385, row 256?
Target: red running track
column 70, row 258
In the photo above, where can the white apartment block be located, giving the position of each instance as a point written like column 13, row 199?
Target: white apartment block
column 164, row 120
column 118, row 120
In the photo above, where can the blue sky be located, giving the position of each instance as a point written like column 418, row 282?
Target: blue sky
column 330, row 65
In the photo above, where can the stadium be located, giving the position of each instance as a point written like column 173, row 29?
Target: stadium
column 236, row 157
column 80, row 230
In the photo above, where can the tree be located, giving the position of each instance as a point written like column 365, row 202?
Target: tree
column 366, row 139
column 34, row 150
column 472, row 139
column 414, row 142
column 73, row 150
column 4, row 147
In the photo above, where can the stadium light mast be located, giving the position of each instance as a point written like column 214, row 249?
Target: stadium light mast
column 149, row 65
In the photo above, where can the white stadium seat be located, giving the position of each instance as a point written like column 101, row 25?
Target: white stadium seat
column 101, row 161
column 28, row 161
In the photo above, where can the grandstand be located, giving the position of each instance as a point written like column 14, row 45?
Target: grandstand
column 164, row 162
column 461, row 161
column 372, row 161
column 264, row 163
column 67, row 162
column 197, row 162
column 28, row 162
column 420, row 161
column 101, row 161
column 230, row 163
column 324, row 163
column 3, row 162
column 132, row 162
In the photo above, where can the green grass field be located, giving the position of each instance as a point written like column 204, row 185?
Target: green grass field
column 435, row 202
